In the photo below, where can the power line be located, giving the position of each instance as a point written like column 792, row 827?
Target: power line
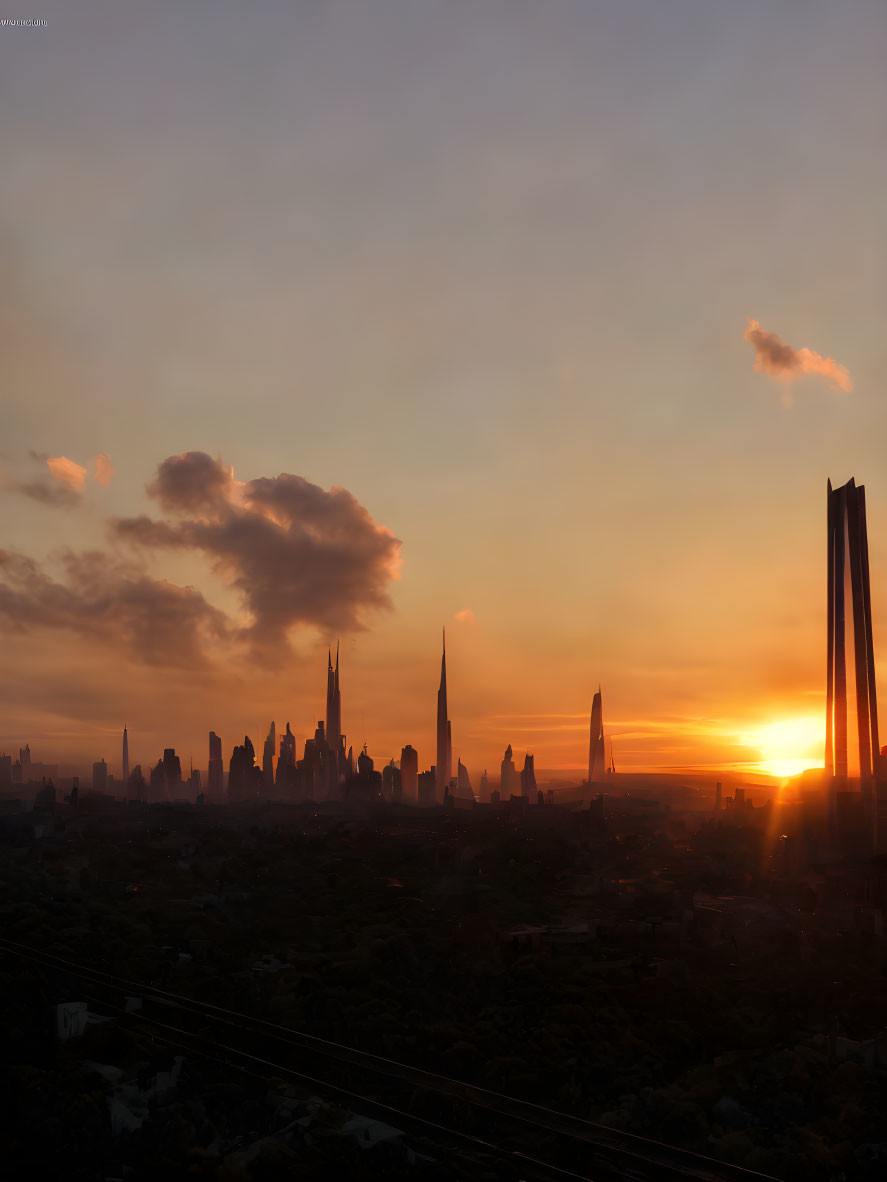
column 601, row 1136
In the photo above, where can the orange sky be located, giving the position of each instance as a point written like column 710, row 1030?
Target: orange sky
column 579, row 311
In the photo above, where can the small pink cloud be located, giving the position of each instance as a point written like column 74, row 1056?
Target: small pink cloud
column 465, row 616
column 103, row 469
column 775, row 357
column 65, row 470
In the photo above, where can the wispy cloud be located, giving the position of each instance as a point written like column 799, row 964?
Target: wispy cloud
column 67, row 471
column 465, row 616
column 775, row 357
column 103, row 469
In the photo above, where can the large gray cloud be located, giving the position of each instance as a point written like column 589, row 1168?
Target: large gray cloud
column 111, row 603
column 297, row 553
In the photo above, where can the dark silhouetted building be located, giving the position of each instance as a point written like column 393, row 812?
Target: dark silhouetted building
column 100, row 776
column 314, row 774
column 338, row 764
column 25, row 771
column 528, row 778
column 364, row 763
column 125, row 757
column 848, row 548
column 285, row 778
column 463, row 782
column 508, row 777
column 136, row 788
column 391, row 781
column 268, row 754
column 409, row 775
column 244, row 778
column 444, row 763
column 172, row 765
column 216, row 771
column 157, row 787
column 597, row 756
column 427, row 788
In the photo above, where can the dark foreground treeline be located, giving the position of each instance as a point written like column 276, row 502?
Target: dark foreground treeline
column 406, row 936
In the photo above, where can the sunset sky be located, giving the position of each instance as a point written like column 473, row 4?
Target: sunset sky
column 506, row 272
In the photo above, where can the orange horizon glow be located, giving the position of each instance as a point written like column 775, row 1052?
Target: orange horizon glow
column 788, row 746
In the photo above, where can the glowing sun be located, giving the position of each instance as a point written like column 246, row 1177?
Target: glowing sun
column 787, row 746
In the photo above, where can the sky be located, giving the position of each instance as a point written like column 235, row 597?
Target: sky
column 518, row 279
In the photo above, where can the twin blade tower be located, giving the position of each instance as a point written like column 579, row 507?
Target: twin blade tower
column 848, row 562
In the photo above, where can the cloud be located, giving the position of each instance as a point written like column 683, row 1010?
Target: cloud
column 778, row 359
column 297, row 554
column 59, row 496
column 67, row 471
column 62, row 488
column 465, row 616
column 192, row 482
column 109, row 602
column 65, row 486
column 103, row 469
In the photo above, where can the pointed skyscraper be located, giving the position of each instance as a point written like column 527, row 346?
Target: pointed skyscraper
column 444, row 739
column 268, row 761
column 330, row 691
column 125, row 756
column 463, row 781
column 334, row 725
column 597, row 758
column 336, row 769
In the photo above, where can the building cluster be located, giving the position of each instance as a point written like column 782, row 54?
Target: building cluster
column 24, row 771
column 326, row 770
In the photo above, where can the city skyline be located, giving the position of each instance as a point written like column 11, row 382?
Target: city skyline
column 518, row 291
column 189, row 476
column 328, row 762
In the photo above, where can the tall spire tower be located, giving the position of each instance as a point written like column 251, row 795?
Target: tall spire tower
column 444, row 741
column 333, row 701
column 335, row 732
column 125, row 756
column 597, row 759
column 330, row 690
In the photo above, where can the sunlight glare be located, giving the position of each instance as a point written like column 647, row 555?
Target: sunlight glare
column 787, row 746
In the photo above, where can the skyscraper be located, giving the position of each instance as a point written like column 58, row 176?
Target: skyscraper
column 508, row 778
column 100, row 776
column 172, row 766
column 444, row 765
column 125, row 756
column 463, row 782
column 528, row 778
column 336, row 765
column 158, row 788
column 427, row 788
column 244, row 777
column 597, row 757
column 409, row 775
column 392, row 782
column 216, row 773
column 333, row 703
column 268, row 761
column 848, row 546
